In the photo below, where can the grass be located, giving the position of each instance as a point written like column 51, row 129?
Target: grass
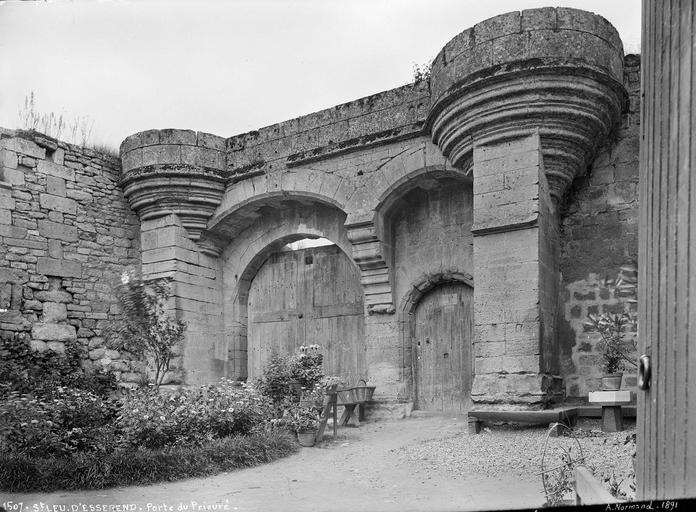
column 20, row 473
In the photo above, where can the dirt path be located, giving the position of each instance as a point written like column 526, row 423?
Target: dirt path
column 359, row 471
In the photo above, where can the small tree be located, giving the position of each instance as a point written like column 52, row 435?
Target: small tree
column 147, row 331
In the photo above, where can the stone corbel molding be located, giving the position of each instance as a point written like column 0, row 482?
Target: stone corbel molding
column 369, row 255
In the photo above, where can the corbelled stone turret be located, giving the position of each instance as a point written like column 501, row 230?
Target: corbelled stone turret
column 555, row 70
column 175, row 172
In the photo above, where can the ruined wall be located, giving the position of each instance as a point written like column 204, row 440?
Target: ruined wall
column 66, row 236
column 599, row 235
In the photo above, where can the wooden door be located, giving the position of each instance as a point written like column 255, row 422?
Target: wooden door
column 666, row 423
column 311, row 296
column 443, row 336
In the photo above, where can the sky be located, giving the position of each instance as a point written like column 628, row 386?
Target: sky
column 228, row 67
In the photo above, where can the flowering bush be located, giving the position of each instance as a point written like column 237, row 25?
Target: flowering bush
column 306, row 366
column 68, row 421
column 192, row 415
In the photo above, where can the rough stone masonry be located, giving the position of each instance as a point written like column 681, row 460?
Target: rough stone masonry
column 481, row 212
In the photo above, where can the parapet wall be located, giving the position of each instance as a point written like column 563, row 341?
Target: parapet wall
column 66, row 236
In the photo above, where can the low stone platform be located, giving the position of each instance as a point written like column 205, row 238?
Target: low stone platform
column 611, row 403
column 566, row 415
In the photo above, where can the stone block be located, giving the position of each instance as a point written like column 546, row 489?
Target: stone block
column 53, row 332
column 38, row 345
column 56, row 346
column 8, row 159
column 12, row 231
column 210, row 141
column 13, row 177
column 175, row 136
column 489, row 348
column 23, row 146
column 54, row 296
column 79, row 195
column 55, row 249
column 54, row 312
column 55, row 186
column 97, row 353
column 61, row 204
column 538, row 19
column 521, row 364
column 5, row 217
column 55, row 267
column 498, row 26
column 53, row 169
column 56, row 230
column 488, row 365
column 169, row 154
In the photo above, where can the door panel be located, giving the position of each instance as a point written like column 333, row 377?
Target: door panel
column 443, row 336
column 311, row 296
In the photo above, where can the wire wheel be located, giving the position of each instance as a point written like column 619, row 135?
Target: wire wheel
column 558, row 463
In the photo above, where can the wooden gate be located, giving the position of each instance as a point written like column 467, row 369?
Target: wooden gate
column 666, row 452
column 443, row 336
column 306, row 297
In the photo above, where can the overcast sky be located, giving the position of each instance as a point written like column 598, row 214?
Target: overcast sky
column 227, row 67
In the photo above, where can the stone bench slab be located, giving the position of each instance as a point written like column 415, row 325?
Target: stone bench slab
column 566, row 415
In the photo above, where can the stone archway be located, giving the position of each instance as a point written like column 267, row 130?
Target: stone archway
column 436, row 319
column 245, row 258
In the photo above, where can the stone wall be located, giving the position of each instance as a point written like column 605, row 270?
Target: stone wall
column 599, row 235
column 431, row 235
column 66, row 236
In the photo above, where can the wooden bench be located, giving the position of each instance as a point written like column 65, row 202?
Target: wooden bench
column 565, row 415
column 589, row 490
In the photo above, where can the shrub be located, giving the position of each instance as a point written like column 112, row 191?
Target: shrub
column 20, row 472
column 192, row 416
column 146, row 329
column 304, row 367
column 24, row 370
column 274, row 382
column 68, row 421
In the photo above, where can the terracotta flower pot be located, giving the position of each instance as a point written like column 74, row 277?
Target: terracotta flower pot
column 307, row 437
column 611, row 382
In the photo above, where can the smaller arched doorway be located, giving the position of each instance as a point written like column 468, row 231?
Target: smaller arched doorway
column 440, row 314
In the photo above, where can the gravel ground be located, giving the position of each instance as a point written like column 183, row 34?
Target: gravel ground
column 508, row 449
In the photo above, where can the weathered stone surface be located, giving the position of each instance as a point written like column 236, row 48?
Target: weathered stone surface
column 53, row 332
column 61, row 204
column 57, row 230
column 54, row 296
column 63, row 268
column 54, row 312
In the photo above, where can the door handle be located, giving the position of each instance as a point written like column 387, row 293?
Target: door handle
column 644, row 372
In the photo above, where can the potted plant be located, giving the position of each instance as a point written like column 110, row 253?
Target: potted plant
column 616, row 348
column 306, row 424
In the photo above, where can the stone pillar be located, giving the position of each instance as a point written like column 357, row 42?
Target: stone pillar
column 516, row 266
column 168, row 252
